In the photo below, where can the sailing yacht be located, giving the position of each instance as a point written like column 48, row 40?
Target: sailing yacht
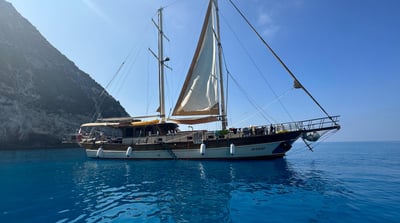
column 201, row 100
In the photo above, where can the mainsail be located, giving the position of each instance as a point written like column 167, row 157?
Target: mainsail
column 199, row 94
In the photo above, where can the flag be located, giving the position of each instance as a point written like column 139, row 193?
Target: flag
column 297, row 85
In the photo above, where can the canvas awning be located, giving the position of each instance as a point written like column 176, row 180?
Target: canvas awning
column 99, row 124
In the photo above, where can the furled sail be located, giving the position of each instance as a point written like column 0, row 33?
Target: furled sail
column 199, row 95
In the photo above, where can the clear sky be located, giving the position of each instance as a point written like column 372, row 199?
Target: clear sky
column 346, row 52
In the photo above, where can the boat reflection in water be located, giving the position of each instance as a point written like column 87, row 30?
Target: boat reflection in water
column 180, row 191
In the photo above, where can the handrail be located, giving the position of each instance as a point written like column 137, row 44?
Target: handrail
column 310, row 125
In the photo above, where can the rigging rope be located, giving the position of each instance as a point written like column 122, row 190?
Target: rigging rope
column 260, row 73
column 324, row 136
column 282, row 63
column 251, row 101
column 112, row 79
column 120, row 83
column 101, row 99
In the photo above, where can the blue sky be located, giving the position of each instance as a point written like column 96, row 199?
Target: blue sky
column 346, row 53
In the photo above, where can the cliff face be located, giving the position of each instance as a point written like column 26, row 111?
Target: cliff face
column 43, row 95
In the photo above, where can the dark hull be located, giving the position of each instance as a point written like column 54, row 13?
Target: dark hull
column 249, row 147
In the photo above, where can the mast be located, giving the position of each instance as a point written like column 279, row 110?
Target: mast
column 161, row 61
column 221, row 84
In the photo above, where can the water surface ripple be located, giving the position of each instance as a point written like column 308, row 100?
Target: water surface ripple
column 340, row 182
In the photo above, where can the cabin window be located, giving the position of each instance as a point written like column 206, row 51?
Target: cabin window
column 150, row 130
column 166, row 128
column 128, row 132
column 138, row 132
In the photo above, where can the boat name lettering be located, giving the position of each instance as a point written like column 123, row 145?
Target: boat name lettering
column 257, row 148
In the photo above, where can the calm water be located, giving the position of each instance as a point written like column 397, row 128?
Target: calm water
column 339, row 182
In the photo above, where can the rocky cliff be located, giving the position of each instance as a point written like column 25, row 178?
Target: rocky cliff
column 43, row 95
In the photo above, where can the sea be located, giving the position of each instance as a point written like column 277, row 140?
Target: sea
column 337, row 182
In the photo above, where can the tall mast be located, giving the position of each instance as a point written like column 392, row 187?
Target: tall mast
column 161, row 61
column 221, row 84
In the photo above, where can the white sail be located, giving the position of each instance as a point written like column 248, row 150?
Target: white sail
column 199, row 95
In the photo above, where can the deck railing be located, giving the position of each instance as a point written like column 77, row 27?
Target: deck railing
column 311, row 125
column 317, row 124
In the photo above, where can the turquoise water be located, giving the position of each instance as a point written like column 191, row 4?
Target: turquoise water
column 339, row 182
